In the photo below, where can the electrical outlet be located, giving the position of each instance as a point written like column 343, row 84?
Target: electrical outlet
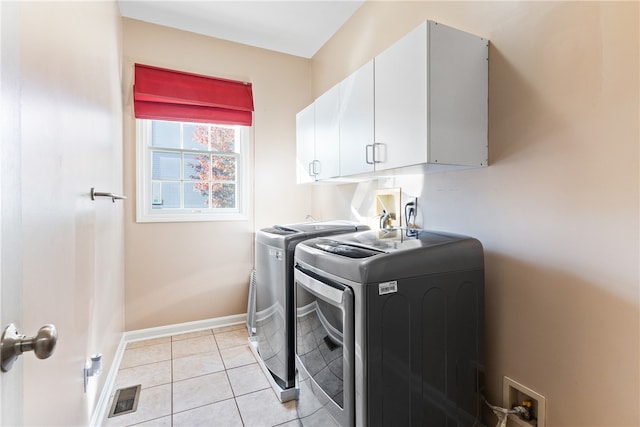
column 514, row 394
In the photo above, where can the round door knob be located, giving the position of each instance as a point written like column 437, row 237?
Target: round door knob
column 43, row 343
column 13, row 344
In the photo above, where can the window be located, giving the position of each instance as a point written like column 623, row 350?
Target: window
column 192, row 139
column 190, row 171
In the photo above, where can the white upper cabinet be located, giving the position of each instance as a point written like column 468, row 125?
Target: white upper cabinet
column 327, row 163
column 424, row 100
column 305, row 145
column 356, row 122
column 401, row 102
column 431, row 99
column 318, row 139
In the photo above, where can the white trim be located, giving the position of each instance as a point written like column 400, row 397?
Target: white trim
column 142, row 186
column 193, row 216
column 143, row 162
column 102, row 406
column 181, row 328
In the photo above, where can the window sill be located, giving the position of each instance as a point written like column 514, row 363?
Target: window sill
column 190, row 217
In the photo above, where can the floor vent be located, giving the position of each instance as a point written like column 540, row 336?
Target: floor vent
column 125, row 401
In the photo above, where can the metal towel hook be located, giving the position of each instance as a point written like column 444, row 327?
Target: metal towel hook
column 113, row 197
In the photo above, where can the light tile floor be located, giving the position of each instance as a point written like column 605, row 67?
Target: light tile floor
column 204, row 378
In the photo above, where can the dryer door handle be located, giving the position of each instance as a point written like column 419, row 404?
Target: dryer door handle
column 319, row 288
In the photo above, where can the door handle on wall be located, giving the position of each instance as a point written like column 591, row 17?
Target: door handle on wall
column 114, row 197
column 13, row 344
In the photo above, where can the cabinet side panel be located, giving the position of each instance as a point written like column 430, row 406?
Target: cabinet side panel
column 458, row 103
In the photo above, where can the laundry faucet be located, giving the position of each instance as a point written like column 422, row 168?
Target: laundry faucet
column 385, row 219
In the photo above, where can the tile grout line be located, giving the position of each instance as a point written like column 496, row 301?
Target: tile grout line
column 235, row 400
column 172, row 380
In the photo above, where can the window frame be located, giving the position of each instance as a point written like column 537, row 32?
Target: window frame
column 144, row 211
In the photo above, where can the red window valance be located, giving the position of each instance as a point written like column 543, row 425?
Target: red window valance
column 162, row 94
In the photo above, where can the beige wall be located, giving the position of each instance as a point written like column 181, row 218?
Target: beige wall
column 181, row 272
column 72, row 247
column 557, row 209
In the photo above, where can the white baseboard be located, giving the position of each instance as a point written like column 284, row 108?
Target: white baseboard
column 145, row 334
column 181, row 328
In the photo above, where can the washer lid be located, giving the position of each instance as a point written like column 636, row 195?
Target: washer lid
column 315, row 227
column 344, row 249
column 378, row 256
column 369, row 243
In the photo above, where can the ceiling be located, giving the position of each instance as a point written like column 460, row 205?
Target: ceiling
column 295, row 27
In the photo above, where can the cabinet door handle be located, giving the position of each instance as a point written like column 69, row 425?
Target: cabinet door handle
column 366, row 154
column 375, row 158
column 316, row 170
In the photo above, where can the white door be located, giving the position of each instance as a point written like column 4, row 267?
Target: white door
column 62, row 254
column 10, row 203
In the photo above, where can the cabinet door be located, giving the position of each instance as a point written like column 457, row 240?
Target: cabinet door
column 305, row 143
column 327, row 147
column 401, row 102
column 356, row 122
